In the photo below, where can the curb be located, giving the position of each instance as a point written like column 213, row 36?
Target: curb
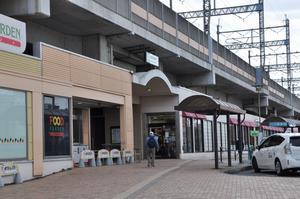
column 144, row 183
column 238, row 170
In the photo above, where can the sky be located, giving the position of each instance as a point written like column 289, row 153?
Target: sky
column 275, row 12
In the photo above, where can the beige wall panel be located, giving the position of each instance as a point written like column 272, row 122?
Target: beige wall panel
column 20, row 64
column 110, row 72
column 111, row 85
column 37, row 134
column 86, row 126
column 84, row 64
column 169, row 29
column 97, row 95
column 183, row 37
column 29, row 125
column 126, row 124
column 139, row 11
column 205, row 51
column 126, row 76
column 55, row 56
column 155, row 21
column 56, row 71
column 194, row 44
column 19, row 82
column 85, row 78
column 201, row 48
column 127, row 88
column 56, row 89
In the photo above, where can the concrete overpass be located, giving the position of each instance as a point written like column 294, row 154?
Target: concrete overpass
column 120, row 32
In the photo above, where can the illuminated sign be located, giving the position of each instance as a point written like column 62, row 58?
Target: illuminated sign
column 12, row 35
column 279, row 124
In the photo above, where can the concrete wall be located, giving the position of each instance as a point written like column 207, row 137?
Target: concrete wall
column 158, row 104
column 39, row 33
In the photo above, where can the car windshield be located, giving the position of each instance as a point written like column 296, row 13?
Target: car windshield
column 295, row 140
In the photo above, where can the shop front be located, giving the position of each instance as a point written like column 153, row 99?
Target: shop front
column 49, row 103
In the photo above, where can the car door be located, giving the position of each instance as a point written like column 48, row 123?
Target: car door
column 273, row 148
column 269, row 153
column 262, row 153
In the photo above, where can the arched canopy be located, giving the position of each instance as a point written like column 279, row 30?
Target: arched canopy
column 278, row 121
column 208, row 105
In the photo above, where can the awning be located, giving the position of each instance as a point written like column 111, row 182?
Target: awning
column 193, row 115
column 272, row 128
column 245, row 122
column 208, row 105
column 277, row 121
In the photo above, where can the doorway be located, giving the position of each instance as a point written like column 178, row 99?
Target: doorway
column 163, row 126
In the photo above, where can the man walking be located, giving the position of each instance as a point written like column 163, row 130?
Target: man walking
column 151, row 147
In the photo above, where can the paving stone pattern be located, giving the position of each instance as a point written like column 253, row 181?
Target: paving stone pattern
column 194, row 179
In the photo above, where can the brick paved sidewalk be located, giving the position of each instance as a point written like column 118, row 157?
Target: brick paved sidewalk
column 100, row 182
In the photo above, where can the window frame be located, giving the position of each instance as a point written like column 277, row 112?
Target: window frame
column 26, row 125
column 70, row 123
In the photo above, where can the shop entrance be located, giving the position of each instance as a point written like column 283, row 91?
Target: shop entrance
column 95, row 124
column 163, row 126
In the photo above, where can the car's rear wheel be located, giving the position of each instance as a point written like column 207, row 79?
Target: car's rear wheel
column 278, row 168
column 255, row 166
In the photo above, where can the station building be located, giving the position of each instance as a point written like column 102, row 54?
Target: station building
column 67, row 76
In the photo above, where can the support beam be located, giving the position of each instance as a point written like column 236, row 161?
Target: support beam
column 240, row 137
column 216, row 140
column 223, row 11
column 228, row 140
column 293, row 66
column 256, row 44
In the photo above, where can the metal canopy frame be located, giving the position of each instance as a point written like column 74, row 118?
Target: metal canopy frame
column 210, row 106
column 291, row 122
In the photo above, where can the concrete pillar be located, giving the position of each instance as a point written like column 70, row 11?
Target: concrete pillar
column 126, row 124
column 179, row 138
column 138, row 130
column 37, row 116
column 97, row 47
column 90, row 46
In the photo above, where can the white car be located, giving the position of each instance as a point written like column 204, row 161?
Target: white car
column 279, row 152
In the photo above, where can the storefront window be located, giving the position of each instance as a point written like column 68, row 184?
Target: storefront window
column 57, row 128
column 184, row 135
column 187, row 136
column 13, row 133
column 196, row 133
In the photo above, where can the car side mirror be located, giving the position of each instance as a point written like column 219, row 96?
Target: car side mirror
column 258, row 147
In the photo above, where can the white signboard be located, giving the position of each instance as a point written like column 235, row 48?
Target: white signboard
column 152, row 59
column 8, row 168
column 87, row 154
column 12, row 35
